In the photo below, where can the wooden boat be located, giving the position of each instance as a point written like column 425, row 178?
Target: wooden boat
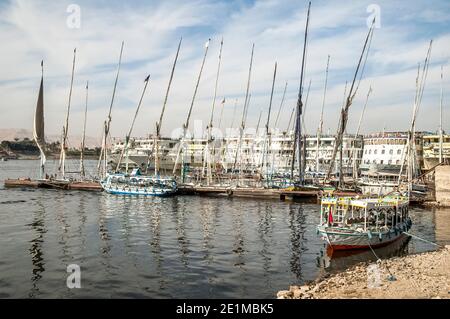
column 363, row 223
column 136, row 184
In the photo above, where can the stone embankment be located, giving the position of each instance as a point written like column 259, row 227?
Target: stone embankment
column 425, row 275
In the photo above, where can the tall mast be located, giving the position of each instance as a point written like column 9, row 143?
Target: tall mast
column 159, row 123
column 354, row 155
column 83, row 139
column 62, row 158
column 244, row 112
column 305, row 107
column 412, row 134
column 207, row 160
column 441, row 137
column 186, row 124
column 221, row 113
column 103, row 160
column 320, row 129
column 259, row 121
column 290, row 120
column 298, row 128
column 215, row 89
column 281, row 105
column 127, row 137
column 351, row 94
column 267, row 141
column 234, row 114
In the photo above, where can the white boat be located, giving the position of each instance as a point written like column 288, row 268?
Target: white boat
column 363, row 223
column 136, row 184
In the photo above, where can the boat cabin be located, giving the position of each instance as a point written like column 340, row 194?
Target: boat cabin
column 373, row 214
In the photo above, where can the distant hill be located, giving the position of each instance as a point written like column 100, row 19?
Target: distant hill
column 74, row 141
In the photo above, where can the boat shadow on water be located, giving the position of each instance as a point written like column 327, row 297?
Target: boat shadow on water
column 338, row 260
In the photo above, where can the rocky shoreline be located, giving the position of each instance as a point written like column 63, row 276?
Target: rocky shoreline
column 424, row 276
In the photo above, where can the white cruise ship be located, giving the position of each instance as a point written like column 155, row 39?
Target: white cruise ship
column 250, row 155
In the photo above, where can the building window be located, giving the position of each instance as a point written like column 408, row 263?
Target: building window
column 382, row 161
column 382, row 152
column 370, row 152
column 391, row 152
column 375, row 152
column 399, row 151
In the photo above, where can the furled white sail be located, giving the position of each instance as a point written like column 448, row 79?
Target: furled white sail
column 38, row 128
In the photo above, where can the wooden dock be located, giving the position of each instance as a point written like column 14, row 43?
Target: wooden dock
column 310, row 194
column 53, row 184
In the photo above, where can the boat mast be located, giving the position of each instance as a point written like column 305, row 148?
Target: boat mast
column 186, row 124
column 320, row 129
column 355, row 153
column 441, row 137
column 38, row 125
column 412, row 134
column 62, row 157
column 304, row 108
column 127, row 137
column 281, row 105
column 221, row 113
column 351, row 94
column 159, row 123
column 244, row 112
column 82, row 170
column 298, row 129
column 267, row 140
column 207, row 159
column 259, row 121
column 103, row 160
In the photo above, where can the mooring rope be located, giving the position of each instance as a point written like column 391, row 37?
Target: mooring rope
column 422, row 239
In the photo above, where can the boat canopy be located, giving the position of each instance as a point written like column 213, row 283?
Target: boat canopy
column 369, row 203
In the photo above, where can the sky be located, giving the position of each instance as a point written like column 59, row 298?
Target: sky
column 31, row 31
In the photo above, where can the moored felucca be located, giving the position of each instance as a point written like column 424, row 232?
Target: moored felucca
column 135, row 183
column 39, row 139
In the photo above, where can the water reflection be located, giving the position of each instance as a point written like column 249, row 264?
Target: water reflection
column 238, row 241
column 181, row 247
column 208, row 217
column 37, row 255
column 181, row 224
column 265, row 232
column 340, row 260
column 298, row 241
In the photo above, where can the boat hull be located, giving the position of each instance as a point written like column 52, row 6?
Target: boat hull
column 139, row 191
column 340, row 239
column 138, row 185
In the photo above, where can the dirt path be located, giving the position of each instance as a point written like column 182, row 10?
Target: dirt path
column 425, row 275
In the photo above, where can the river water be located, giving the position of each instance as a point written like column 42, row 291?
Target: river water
column 177, row 247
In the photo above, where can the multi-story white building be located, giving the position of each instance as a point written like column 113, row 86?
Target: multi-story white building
column 431, row 150
column 385, row 152
column 251, row 153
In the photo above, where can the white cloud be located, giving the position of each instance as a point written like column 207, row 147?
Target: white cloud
column 34, row 30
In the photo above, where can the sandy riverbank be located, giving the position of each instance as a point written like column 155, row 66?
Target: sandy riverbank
column 425, row 275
